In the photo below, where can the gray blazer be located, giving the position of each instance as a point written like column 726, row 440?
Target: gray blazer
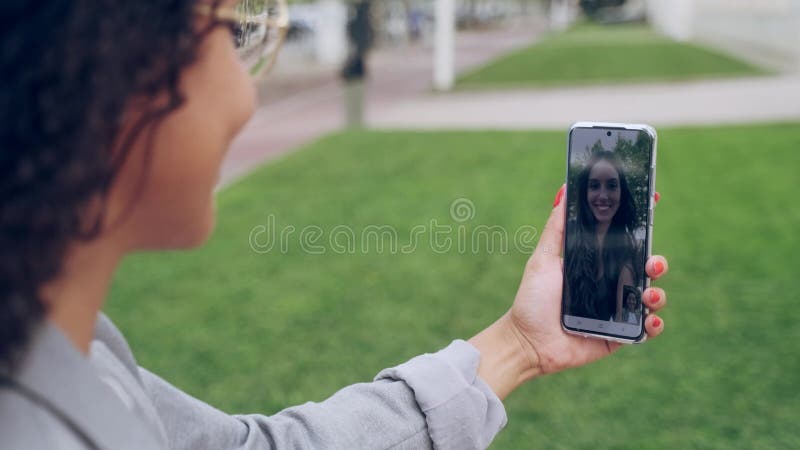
column 59, row 399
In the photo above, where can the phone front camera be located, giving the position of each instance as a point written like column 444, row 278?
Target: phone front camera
column 608, row 133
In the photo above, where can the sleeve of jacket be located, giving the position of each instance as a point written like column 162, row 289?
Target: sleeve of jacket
column 431, row 401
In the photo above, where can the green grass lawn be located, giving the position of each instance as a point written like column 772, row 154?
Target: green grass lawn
column 594, row 54
column 256, row 332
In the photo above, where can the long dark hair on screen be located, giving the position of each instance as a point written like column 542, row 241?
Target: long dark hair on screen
column 69, row 69
column 619, row 248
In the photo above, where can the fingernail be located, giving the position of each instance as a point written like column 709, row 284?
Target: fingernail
column 654, row 297
column 656, row 322
column 559, row 195
column 659, row 267
column 657, row 197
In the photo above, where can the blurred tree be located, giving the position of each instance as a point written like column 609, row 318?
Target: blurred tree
column 361, row 36
column 635, row 158
column 597, row 147
column 359, row 28
column 592, row 7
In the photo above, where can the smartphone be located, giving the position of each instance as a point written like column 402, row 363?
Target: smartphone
column 611, row 172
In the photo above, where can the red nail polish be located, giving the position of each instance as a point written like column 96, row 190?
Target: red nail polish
column 657, row 197
column 659, row 267
column 559, row 195
column 656, row 322
column 654, row 297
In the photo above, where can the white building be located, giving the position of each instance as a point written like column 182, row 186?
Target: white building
column 765, row 32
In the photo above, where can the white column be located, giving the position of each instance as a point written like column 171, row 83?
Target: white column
column 444, row 45
column 330, row 41
column 559, row 15
column 796, row 16
column 674, row 18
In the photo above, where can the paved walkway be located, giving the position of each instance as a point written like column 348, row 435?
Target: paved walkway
column 706, row 102
column 298, row 109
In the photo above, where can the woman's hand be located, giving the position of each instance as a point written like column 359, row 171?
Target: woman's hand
column 535, row 315
column 528, row 340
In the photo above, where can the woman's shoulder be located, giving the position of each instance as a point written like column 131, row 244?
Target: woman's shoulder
column 106, row 332
column 57, row 394
column 26, row 424
column 626, row 273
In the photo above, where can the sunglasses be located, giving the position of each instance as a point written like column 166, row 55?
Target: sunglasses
column 258, row 28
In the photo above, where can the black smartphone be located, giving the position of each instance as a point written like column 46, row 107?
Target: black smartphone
column 611, row 170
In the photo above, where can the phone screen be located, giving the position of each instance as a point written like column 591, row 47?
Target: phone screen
column 608, row 227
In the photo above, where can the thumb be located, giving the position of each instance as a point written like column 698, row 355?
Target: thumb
column 549, row 247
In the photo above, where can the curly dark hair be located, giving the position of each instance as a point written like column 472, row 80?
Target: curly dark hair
column 582, row 253
column 70, row 68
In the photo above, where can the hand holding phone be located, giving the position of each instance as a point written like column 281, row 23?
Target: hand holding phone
column 531, row 338
column 535, row 314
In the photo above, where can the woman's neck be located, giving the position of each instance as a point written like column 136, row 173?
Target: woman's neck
column 75, row 297
column 601, row 229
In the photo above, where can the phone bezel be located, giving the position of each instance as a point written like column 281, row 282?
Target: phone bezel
column 650, row 219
